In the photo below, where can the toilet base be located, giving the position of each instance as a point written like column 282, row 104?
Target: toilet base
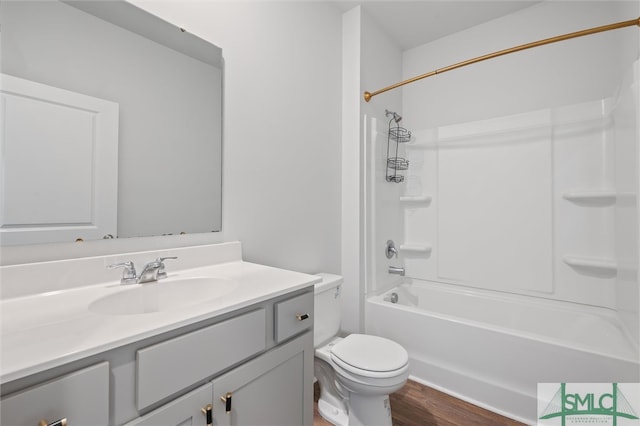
column 367, row 410
column 363, row 411
column 333, row 415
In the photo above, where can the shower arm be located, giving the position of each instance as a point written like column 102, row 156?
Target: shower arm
column 623, row 24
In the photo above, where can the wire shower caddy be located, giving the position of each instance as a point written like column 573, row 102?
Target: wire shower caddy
column 398, row 135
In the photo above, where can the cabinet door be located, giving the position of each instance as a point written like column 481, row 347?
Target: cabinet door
column 269, row 390
column 186, row 410
column 81, row 397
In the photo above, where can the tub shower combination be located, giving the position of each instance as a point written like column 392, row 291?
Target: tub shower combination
column 515, row 257
column 474, row 325
column 471, row 325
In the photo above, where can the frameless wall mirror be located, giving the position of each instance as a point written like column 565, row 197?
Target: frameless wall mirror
column 112, row 124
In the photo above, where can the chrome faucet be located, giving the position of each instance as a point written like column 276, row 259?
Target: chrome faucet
column 149, row 272
column 128, row 274
column 152, row 271
column 396, row 270
column 162, row 273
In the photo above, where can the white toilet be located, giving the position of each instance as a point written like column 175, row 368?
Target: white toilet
column 356, row 373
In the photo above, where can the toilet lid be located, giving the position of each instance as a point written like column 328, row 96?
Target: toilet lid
column 370, row 353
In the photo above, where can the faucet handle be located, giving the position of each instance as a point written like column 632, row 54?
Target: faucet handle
column 390, row 249
column 129, row 272
column 161, row 272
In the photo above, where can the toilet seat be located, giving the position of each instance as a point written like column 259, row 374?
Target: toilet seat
column 370, row 356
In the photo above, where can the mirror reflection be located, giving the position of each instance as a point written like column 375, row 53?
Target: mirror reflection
column 67, row 165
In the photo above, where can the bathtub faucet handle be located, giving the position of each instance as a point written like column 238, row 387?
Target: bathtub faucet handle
column 396, row 270
column 390, row 249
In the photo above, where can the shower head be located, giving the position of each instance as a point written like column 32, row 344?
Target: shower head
column 396, row 117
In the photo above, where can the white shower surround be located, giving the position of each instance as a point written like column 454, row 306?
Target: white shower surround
column 490, row 341
column 577, row 249
column 524, row 203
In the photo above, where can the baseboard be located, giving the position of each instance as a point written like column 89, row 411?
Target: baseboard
column 494, row 397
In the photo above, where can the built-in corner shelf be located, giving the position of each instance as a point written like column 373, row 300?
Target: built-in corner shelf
column 605, row 197
column 606, row 268
column 416, row 249
column 419, row 199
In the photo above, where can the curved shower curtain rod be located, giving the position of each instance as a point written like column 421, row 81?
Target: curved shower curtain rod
column 623, row 24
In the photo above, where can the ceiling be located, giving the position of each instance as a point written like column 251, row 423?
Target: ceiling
column 413, row 23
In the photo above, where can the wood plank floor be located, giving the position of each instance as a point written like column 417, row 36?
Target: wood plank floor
column 419, row 405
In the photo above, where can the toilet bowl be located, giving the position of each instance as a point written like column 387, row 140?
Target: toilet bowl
column 356, row 373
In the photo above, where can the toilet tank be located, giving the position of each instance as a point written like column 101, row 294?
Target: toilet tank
column 326, row 308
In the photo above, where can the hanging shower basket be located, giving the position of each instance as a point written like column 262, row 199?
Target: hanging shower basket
column 396, row 178
column 398, row 135
column 397, row 163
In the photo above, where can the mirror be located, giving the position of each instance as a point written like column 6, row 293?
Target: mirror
column 166, row 87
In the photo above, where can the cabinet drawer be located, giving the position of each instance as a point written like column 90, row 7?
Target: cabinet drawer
column 168, row 367
column 293, row 316
column 82, row 397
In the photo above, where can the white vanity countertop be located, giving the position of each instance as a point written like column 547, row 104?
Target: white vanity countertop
column 45, row 330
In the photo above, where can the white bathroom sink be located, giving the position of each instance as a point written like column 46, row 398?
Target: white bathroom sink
column 162, row 296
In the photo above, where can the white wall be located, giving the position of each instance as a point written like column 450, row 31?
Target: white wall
column 353, row 209
column 370, row 60
column 563, row 73
column 626, row 208
column 627, row 177
column 281, row 179
column 381, row 66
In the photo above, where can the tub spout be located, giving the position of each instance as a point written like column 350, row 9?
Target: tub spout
column 396, row 270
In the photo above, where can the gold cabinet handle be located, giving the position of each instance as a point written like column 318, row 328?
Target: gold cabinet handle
column 207, row 411
column 302, row 317
column 227, row 401
column 60, row 422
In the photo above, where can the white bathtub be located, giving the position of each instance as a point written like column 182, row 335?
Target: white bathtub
column 492, row 349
